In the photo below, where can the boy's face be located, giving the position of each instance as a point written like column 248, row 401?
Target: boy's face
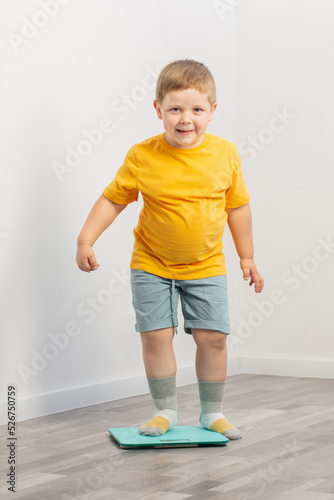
column 185, row 115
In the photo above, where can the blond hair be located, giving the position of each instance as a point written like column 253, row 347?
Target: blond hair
column 185, row 74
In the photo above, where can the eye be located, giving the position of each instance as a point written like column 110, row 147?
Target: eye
column 175, row 109
column 198, row 110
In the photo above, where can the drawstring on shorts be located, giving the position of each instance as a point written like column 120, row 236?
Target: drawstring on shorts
column 172, row 290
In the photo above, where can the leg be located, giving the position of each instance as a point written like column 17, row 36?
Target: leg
column 211, row 355
column 160, row 366
column 155, row 302
column 158, row 353
column 211, row 361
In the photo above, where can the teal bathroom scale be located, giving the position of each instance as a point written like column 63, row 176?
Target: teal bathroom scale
column 179, row 436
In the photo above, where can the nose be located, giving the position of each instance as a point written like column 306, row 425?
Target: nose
column 185, row 118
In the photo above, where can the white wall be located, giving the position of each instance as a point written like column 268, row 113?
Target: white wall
column 68, row 76
column 284, row 62
column 65, row 77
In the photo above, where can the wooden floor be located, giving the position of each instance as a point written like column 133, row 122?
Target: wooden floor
column 287, row 452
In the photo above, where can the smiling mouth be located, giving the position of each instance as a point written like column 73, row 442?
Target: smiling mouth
column 184, row 132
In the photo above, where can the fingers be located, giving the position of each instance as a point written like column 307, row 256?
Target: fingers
column 88, row 267
column 93, row 263
column 259, row 283
column 259, row 287
column 246, row 272
column 249, row 271
column 86, row 259
column 85, row 266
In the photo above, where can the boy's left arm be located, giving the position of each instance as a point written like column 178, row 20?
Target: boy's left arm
column 240, row 224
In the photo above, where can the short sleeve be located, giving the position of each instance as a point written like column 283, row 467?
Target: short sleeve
column 237, row 194
column 123, row 189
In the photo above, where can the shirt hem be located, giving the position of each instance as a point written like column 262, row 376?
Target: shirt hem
column 181, row 275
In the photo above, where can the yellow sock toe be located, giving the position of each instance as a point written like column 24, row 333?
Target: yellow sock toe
column 160, row 422
column 221, row 425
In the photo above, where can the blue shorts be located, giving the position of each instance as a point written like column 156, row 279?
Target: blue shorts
column 155, row 300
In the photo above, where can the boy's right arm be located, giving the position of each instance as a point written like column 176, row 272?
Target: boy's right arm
column 103, row 213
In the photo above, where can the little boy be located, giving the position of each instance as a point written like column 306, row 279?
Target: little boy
column 191, row 183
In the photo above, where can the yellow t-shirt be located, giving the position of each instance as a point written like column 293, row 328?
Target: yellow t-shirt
column 185, row 192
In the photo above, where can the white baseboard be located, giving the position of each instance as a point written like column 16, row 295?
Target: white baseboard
column 47, row 403
column 233, row 366
column 293, row 367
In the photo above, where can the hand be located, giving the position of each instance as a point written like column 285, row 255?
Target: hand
column 86, row 259
column 249, row 270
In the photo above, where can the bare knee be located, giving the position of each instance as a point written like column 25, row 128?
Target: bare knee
column 157, row 340
column 209, row 339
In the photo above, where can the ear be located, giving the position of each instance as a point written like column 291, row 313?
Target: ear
column 213, row 109
column 157, row 108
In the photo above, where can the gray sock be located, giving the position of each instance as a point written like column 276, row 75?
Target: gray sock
column 211, row 398
column 163, row 392
column 211, row 395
